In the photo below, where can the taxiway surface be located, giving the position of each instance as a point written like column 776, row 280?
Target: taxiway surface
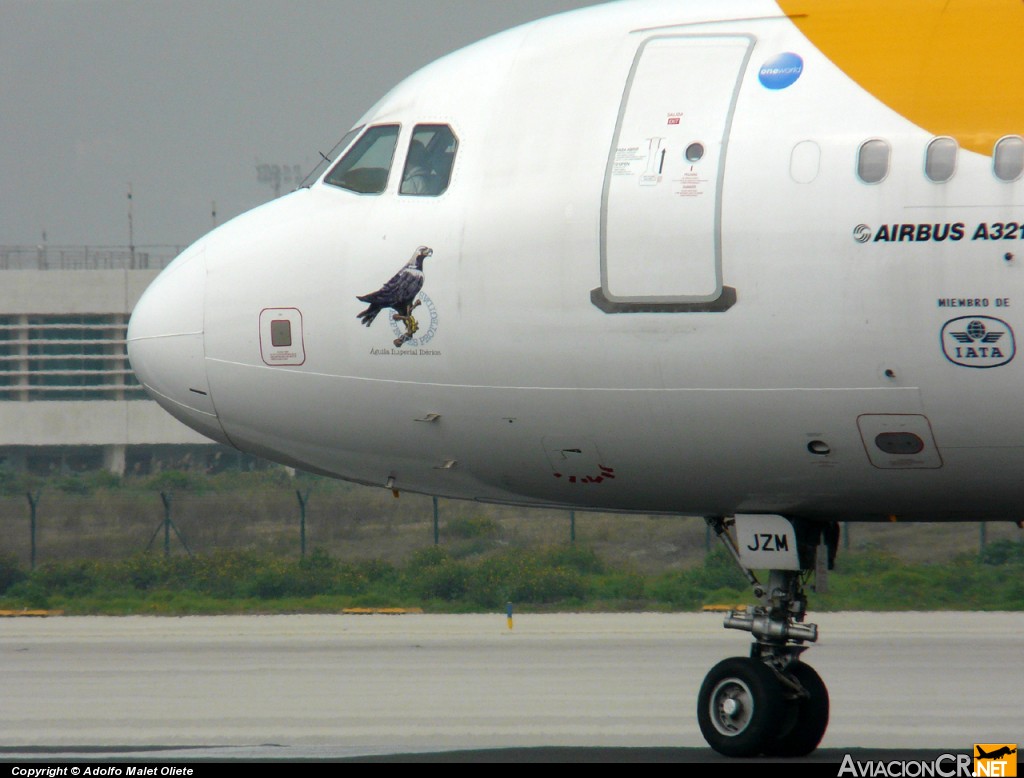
column 348, row 685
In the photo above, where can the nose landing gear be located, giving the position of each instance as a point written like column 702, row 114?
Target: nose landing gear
column 769, row 703
column 740, row 706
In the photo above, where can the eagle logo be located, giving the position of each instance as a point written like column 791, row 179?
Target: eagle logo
column 399, row 294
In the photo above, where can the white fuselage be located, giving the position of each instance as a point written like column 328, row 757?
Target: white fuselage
column 565, row 354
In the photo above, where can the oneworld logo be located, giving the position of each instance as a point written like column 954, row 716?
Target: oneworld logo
column 781, row 71
column 978, row 341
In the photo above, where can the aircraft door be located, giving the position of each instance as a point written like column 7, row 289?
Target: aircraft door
column 661, row 208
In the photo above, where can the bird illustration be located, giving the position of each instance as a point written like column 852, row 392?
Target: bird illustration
column 399, row 294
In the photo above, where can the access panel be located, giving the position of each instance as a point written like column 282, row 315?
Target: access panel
column 899, row 441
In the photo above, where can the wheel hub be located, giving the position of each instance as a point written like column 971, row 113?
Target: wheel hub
column 732, row 705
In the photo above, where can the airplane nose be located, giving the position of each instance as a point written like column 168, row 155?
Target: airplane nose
column 165, row 344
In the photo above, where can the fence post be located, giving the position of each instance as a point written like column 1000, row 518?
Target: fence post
column 437, row 532
column 168, row 525
column 165, row 497
column 33, row 501
column 302, row 520
column 572, row 526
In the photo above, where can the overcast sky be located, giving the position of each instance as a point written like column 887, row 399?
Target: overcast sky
column 184, row 98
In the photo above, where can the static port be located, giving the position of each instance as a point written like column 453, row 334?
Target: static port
column 819, row 448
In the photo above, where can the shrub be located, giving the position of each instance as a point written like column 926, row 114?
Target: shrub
column 446, row 581
column 28, row 593
column 10, row 572
column 270, row 583
column 621, row 586
column 104, row 479
column 315, row 574
column 719, row 571
column 676, row 589
column 69, row 579
column 73, row 484
column 426, row 557
column 14, row 483
column 520, row 577
column 717, row 578
column 377, row 570
column 177, row 481
column 225, row 574
column 582, row 559
column 143, row 572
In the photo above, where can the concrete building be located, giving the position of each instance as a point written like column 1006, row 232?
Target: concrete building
column 68, row 397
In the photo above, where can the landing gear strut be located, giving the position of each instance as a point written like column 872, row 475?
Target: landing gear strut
column 770, row 702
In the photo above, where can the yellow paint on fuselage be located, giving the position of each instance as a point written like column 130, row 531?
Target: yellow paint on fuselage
column 952, row 67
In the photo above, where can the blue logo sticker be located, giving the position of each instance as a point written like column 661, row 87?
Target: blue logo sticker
column 781, row 71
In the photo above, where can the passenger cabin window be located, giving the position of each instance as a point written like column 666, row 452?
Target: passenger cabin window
column 428, row 165
column 1008, row 158
column 805, row 161
column 365, row 168
column 873, row 161
column 940, row 160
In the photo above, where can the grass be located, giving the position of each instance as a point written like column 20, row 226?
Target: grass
column 574, row 579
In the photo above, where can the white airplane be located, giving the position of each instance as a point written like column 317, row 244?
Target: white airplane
column 752, row 260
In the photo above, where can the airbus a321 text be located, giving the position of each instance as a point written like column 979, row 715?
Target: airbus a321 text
column 759, row 261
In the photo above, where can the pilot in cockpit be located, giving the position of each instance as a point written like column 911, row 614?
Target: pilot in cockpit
column 417, row 178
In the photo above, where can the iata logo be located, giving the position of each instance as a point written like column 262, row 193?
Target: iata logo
column 978, row 341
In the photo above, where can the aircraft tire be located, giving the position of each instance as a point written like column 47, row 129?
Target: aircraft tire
column 740, row 707
column 809, row 717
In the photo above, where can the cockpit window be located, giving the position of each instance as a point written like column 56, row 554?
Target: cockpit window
column 428, row 165
column 366, row 166
column 327, row 159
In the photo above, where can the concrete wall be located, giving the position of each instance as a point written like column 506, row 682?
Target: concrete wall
column 72, row 291
column 98, row 423
column 109, row 423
